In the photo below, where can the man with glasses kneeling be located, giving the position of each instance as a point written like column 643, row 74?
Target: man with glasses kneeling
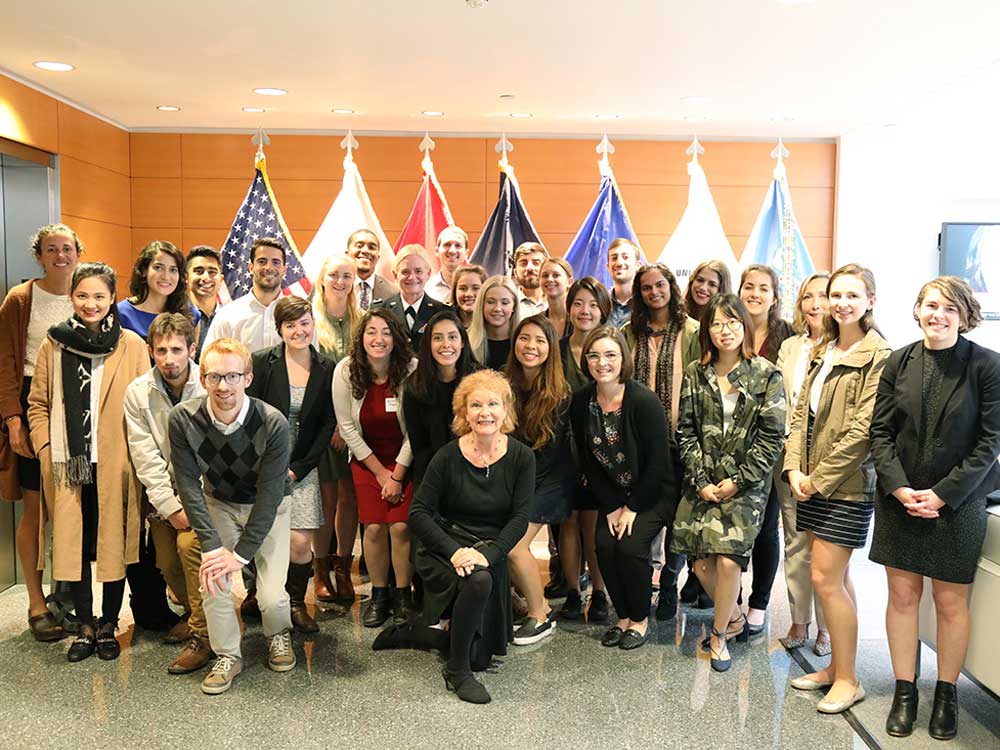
column 239, row 446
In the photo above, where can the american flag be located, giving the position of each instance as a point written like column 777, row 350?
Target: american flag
column 259, row 216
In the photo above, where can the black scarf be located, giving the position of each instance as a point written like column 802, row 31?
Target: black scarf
column 664, row 381
column 80, row 346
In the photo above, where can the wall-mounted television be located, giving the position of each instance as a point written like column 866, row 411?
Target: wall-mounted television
column 972, row 252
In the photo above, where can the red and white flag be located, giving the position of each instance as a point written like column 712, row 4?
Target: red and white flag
column 430, row 213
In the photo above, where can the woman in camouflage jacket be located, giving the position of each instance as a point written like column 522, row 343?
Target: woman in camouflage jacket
column 730, row 433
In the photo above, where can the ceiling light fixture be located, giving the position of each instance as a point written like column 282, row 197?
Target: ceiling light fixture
column 55, row 67
column 520, row 115
column 695, row 118
column 342, row 111
column 270, row 91
column 607, row 117
column 254, row 110
column 782, row 118
column 168, row 108
column 696, row 100
column 506, row 96
column 432, row 113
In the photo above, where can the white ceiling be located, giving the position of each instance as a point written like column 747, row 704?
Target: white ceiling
column 832, row 65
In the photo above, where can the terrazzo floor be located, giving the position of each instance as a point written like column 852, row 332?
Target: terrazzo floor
column 564, row 692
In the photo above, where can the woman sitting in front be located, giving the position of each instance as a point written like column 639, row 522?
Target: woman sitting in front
column 623, row 446
column 468, row 513
column 730, row 433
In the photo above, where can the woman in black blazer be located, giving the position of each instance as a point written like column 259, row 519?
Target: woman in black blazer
column 297, row 380
column 622, row 442
column 935, row 436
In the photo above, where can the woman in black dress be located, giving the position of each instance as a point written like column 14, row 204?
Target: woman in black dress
column 445, row 357
column 469, row 511
column 935, row 437
column 622, row 442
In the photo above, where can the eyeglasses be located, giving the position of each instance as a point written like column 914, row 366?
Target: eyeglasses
column 231, row 378
column 732, row 325
column 609, row 357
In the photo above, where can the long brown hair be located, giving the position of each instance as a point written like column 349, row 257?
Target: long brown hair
column 725, row 284
column 537, row 403
column 362, row 374
column 177, row 300
column 831, row 328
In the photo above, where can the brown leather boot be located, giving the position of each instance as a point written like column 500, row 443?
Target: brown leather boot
column 322, row 584
column 342, row 578
column 195, row 655
column 296, row 585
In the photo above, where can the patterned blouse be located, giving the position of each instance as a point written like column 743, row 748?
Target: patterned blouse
column 606, row 443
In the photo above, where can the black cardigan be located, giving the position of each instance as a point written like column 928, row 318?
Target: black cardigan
column 966, row 432
column 428, row 425
column 316, row 421
column 646, row 445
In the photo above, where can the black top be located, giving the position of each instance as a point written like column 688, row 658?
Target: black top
column 493, row 508
column 428, row 425
column 604, row 429
column 645, row 443
column 496, row 353
column 554, row 471
column 316, row 421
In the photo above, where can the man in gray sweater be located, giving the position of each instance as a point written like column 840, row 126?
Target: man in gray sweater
column 230, row 457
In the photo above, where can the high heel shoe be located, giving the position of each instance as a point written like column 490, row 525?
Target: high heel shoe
column 718, row 663
column 466, row 687
column 903, row 712
column 740, row 636
column 944, row 714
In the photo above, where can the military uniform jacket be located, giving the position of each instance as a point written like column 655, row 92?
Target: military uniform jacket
column 745, row 453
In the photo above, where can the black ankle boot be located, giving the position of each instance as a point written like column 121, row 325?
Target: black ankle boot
column 944, row 715
column 379, row 608
column 904, row 709
column 402, row 605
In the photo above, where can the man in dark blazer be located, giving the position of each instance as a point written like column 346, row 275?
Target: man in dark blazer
column 412, row 269
column 363, row 249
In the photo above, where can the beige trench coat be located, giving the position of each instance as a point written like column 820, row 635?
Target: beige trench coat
column 119, row 494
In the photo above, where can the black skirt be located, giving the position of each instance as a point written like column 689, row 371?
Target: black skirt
column 29, row 473
column 946, row 548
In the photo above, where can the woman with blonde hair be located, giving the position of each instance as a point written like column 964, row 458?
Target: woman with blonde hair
column 496, row 315
column 469, row 280
column 337, row 313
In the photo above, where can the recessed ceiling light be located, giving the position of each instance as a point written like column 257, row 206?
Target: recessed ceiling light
column 342, row 111
column 696, row 100
column 520, row 115
column 607, row 117
column 889, row 125
column 695, row 118
column 795, row 2
column 253, row 109
column 432, row 113
column 56, row 67
column 782, row 118
column 169, row 108
column 506, row 96
column 270, row 92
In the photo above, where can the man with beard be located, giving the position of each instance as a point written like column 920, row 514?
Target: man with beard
column 623, row 260
column 363, row 248
column 452, row 252
column 528, row 259
column 204, row 268
column 250, row 319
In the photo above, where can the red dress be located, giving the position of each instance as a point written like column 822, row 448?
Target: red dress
column 381, row 431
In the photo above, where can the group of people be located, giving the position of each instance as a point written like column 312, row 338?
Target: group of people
column 174, row 441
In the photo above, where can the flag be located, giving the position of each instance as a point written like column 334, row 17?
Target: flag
column 699, row 235
column 351, row 210
column 259, row 216
column 607, row 221
column 430, row 213
column 509, row 225
column 777, row 242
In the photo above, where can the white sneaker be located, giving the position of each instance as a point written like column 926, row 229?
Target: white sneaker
column 280, row 656
column 532, row 631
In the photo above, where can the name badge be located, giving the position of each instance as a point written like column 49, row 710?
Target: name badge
column 391, row 405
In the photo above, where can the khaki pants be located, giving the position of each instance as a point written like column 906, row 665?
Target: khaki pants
column 798, row 559
column 271, row 561
column 178, row 556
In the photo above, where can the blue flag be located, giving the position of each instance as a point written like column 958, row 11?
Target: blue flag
column 607, row 221
column 509, row 225
column 776, row 241
column 259, row 216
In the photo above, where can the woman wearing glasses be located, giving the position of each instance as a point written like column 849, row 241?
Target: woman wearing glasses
column 730, row 433
column 621, row 435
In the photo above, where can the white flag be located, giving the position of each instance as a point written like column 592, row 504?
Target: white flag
column 699, row 235
column 352, row 210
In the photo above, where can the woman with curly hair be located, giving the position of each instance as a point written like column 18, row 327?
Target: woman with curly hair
column 366, row 390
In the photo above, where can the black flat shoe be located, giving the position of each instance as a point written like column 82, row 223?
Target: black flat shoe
column 613, row 637
column 466, row 687
column 903, row 713
column 944, row 715
column 108, row 648
column 632, row 639
column 83, row 645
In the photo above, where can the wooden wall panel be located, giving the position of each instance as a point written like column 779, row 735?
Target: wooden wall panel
column 110, row 243
column 211, row 203
column 28, row 116
column 303, row 203
column 142, row 236
column 94, row 192
column 88, row 139
column 156, row 202
column 155, row 154
column 217, row 156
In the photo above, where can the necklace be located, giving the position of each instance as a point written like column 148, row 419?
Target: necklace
column 487, row 459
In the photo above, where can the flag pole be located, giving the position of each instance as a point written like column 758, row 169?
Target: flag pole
column 604, row 148
column 787, row 235
column 350, row 143
column 694, row 149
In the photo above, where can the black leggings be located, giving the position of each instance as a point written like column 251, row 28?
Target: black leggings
column 467, row 618
column 83, row 597
column 766, row 554
column 625, row 563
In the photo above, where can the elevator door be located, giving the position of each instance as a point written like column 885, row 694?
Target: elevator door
column 27, row 201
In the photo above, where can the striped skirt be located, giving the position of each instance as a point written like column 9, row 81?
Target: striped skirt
column 841, row 522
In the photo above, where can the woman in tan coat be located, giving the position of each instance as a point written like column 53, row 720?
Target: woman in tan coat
column 829, row 466
column 90, row 492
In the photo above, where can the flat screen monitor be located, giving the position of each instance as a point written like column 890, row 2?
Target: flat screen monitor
column 972, row 252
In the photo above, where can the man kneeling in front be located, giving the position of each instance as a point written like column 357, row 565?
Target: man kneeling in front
column 230, row 456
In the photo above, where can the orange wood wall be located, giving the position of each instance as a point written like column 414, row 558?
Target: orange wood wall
column 186, row 187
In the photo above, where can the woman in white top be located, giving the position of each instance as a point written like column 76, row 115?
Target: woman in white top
column 793, row 360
